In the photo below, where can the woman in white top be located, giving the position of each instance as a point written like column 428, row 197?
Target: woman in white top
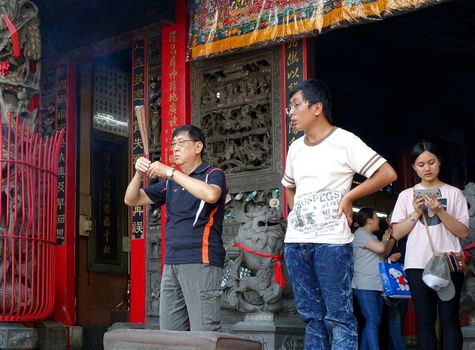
column 446, row 215
column 368, row 251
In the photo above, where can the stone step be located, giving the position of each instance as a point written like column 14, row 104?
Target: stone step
column 144, row 339
column 17, row 336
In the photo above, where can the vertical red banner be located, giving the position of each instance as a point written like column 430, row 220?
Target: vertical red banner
column 175, row 86
column 138, row 256
column 65, row 303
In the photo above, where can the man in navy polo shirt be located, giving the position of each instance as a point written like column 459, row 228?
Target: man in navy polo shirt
column 190, row 290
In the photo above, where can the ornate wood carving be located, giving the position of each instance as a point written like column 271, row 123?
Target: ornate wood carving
column 20, row 65
column 154, row 214
column 236, row 100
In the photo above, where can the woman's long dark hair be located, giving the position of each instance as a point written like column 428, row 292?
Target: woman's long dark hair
column 423, row 146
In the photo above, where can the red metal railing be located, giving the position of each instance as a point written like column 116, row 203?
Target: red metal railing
column 28, row 214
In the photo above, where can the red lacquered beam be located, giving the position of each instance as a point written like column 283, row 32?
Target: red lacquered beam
column 7, row 211
column 4, row 279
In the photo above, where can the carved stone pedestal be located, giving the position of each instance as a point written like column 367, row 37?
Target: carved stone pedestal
column 17, row 336
column 468, row 338
column 275, row 331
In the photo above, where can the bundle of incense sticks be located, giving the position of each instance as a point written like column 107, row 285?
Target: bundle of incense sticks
column 139, row 112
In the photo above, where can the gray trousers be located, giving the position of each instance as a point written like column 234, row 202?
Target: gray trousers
column 190, row 297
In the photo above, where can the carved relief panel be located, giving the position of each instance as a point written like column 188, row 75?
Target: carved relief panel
column 155, row 97
column 154, row 214
column 236, row 100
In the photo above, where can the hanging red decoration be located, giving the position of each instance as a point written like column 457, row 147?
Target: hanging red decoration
column 13, row 37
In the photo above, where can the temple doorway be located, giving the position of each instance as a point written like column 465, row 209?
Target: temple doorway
column 407, row 78
column 104, row 105
column 401, row 80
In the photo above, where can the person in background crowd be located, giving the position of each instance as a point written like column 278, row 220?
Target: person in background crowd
column 368, row 252
column 395, row 309
column 446, row 216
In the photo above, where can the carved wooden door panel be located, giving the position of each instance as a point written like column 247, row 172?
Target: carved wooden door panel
column 236, row 100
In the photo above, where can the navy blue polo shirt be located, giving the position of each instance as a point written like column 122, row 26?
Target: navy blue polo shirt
column 194, row 227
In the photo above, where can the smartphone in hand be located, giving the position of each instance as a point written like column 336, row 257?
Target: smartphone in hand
column 431, row 192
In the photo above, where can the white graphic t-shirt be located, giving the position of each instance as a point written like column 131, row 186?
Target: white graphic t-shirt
column 322, row 174
column 418, row 250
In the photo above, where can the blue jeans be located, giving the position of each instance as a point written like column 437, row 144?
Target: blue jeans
column 321, row 277
column 396, row 315
column 371, row 305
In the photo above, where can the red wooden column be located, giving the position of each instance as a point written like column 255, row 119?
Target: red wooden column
column 175, row 112
column 294, row 70
column 138, row 255
column 65, row 274
column 175, row 85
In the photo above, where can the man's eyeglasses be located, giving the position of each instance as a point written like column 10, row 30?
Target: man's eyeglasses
column 180, row 143
column 293, row 107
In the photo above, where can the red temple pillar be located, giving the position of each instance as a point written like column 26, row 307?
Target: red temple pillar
column 138, row 224
column 175, row 112
column 175, row 85
column 65, row 272
column 405, row 173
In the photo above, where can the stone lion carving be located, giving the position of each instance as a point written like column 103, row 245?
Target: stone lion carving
column 250, row 270
column 20, row 65
column 469, row 193
column 467, row 299
column 21, row 51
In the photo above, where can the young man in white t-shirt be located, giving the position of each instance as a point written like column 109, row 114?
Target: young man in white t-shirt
column 318, row 252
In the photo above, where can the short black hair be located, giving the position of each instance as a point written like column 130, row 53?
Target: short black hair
column 421, row 147
column 314, row 91
column 194, row 133
column 363, row 215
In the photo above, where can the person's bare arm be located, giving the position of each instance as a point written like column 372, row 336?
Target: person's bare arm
column 209, row 193
column 402, row 228
column 453, row 225
column 389, row 240
column 135, row 195
column 376, row 246
column 380, row 178
column 290, row 195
